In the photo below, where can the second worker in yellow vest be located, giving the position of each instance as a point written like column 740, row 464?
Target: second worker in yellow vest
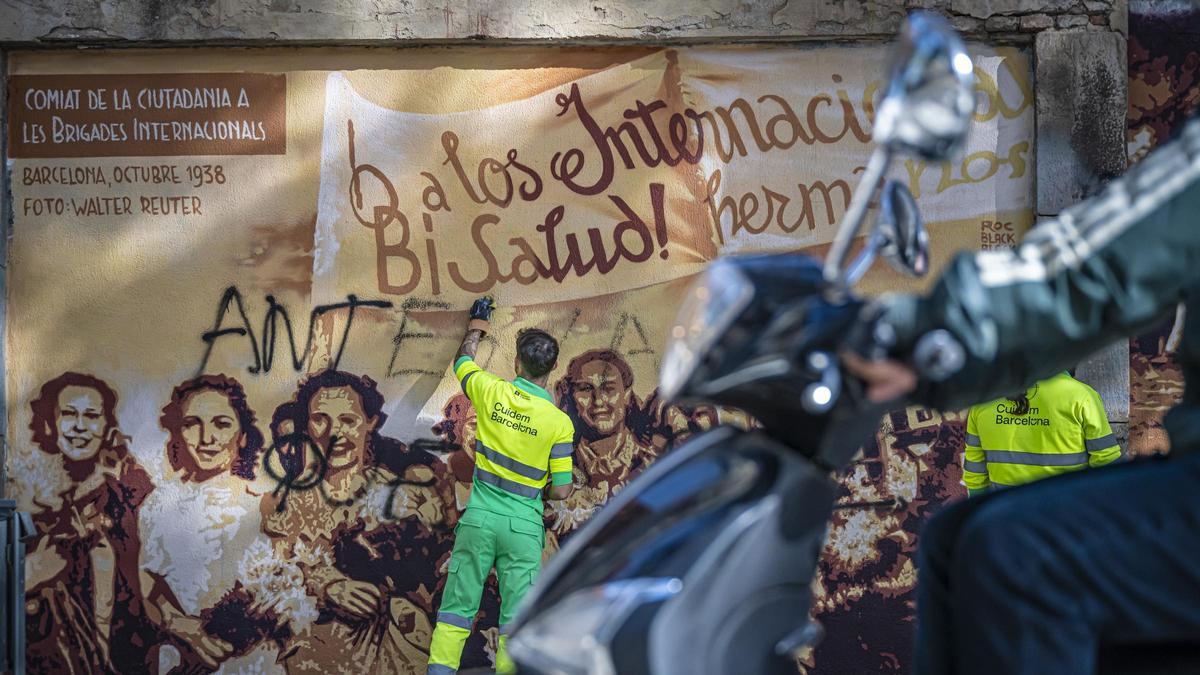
column 1059, row 425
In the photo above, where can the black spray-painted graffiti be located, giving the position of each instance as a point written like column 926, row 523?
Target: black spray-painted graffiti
column 406, row 336
column 297, row 462
column 264, row 354
column 262, row 344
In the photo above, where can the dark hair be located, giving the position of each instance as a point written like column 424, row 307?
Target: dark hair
column 637, row 418
column 537, row 350
column 172, row 420
column 289, row 448
column 45, row 407
column 575, row 368
column 1020, row 405
column 285, row 412
column 365, row 387
column 1020, row 402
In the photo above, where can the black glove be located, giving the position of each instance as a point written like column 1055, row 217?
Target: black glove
column 483, row 308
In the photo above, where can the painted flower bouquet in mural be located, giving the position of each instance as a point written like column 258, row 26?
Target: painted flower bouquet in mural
column 268, row 602
column 238, row 621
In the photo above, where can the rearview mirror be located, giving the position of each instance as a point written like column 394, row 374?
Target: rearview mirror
column 930, row 98
column 906, row 243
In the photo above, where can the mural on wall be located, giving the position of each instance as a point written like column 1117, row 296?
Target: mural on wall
column 238, row 279
column 1164, row 91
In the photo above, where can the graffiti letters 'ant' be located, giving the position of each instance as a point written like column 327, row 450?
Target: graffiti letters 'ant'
column 264, row 354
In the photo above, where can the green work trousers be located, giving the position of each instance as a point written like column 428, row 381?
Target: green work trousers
column 484, row 540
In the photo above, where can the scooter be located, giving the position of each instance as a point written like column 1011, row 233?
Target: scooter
column 704, row 563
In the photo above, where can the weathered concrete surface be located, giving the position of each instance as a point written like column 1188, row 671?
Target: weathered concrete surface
column 1082, row 94
column 1081, row 103
column 1107, row 371
column 1118, row 18
column 5, row 228
column 371, row 20
column 33, row 21
column 1121, row 431
column 982, row 9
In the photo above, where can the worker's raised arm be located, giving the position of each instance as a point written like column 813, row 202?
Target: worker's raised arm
column 477, row 327
column 469, row 375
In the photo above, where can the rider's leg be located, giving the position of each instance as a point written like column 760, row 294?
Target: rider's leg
column 1043, row 574
column 935, row 629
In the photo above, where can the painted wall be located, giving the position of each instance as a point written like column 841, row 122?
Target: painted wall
column 1164, row 89
column 237, row 279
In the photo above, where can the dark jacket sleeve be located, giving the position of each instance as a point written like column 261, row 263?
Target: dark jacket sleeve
column 1106, row 268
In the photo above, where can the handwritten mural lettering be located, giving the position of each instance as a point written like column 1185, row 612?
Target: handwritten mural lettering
column 974, row 168
column 738, row 211
column 992, row 99
column 780, row 131
column 401, row 269
column 491, row 169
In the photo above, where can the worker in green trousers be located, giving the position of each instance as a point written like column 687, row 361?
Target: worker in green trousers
column 523, row 447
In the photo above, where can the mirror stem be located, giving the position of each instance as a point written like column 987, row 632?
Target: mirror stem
column 861, row 263
column 855, row 213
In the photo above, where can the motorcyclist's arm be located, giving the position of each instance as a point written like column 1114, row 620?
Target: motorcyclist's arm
column 1102, row 270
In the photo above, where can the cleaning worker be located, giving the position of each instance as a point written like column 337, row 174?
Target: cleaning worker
column 1058, row 425
column 523, row 446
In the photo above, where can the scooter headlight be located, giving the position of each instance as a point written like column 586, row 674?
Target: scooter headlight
column 573, row 636
column 713, row 302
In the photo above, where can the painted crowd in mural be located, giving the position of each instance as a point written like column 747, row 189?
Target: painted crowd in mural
column 275, row 488
column 343, row 533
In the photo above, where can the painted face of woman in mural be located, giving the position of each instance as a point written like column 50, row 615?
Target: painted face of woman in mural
column 337, row 413
column 211, row 431
column 80, row 422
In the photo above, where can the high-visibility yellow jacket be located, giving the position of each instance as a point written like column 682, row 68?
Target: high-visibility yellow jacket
column 523, row 441
column 1065, row 429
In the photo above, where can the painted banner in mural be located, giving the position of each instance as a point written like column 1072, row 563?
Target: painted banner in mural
column 237, row 280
